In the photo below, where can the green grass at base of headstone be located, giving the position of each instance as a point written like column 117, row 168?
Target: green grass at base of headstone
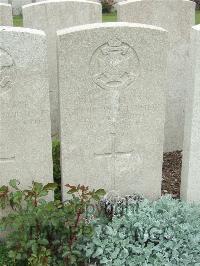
column 18, row 21
column 110, row 17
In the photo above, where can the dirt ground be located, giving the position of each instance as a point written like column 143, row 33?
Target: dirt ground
column 171, row 176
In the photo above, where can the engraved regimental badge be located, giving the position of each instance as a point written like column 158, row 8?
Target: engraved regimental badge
column 114, row 65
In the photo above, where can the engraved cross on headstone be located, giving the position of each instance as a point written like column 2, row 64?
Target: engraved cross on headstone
column 114, row 66
column 113, row 154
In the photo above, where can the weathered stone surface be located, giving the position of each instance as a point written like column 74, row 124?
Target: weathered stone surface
column 17, row 6
column 112, row 83
column 25, row 134
column 3, row 1
column 5, row 15
column 177, row 17
column 51, row 16
column 190, row 179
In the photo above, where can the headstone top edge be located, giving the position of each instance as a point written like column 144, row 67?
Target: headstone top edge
column 108, row 25
column 4, row 4
column 60, row 1
column 125, row 2
column 196, row 27
column 22, row 30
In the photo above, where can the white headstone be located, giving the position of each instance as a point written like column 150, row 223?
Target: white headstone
column 51, row 16
column 3, row 1
column 177, row 17
column 190, row 179
column 5, row 15
column 17, row 6
column 25, row 135
column 112, row 81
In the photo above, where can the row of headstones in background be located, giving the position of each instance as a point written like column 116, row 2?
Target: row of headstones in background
column 25, row 139
column 51, row 16
column 18, row 4
column 179, row 20
column 6, row 15
column 112, row 80
column 3, row 1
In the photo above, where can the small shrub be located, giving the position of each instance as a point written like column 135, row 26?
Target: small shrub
column 165, row 232
column 197, row 3
column 115, row 205
column 41, row 233
column 4, row 260
column 107, row 5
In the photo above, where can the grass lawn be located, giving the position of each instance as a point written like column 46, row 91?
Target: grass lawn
column 18, row 21
column 110, row 17
column 198, row 17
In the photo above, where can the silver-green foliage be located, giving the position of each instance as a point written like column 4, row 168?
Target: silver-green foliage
column 165, row 232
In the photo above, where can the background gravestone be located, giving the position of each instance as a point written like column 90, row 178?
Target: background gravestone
column 3, row 1
column 6, row 15
column 17, row 6
column 51, row 16
column 25, row 135
column 190, row 181
column 112, row 81
column 177, row 17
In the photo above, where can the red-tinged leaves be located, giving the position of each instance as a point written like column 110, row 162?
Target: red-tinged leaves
column 69, row 186
column 41, row 229
column 50, row 187
column 3, row 191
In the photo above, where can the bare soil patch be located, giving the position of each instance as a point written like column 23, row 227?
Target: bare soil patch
column 171, row 173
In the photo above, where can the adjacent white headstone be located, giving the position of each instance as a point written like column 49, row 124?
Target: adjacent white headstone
column 17, row 6
column 112, row 82
column 51, row 16
column 5, row 15
column 25, row 134
column 177, row 17
column 3, row 1
column 190, row 179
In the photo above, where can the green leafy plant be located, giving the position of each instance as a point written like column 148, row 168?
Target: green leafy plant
column 197, row 3
column 56, row 168
column 164, row 232
column 4, row 260
column 41, row 232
